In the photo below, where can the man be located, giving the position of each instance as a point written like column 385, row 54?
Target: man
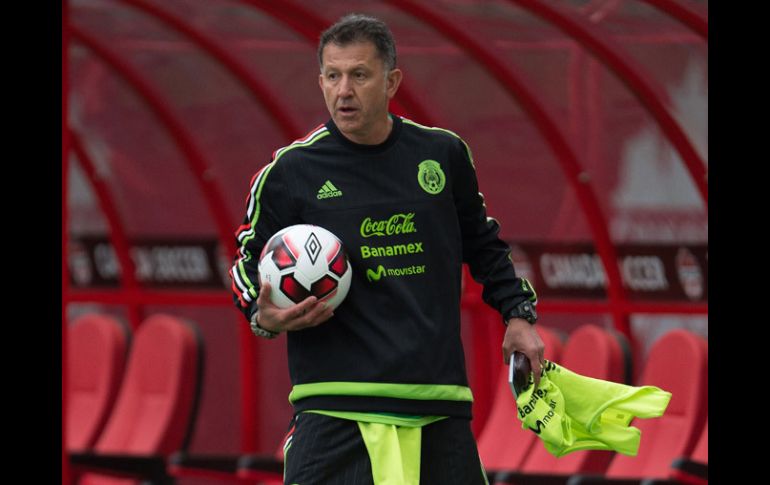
column 380, row 389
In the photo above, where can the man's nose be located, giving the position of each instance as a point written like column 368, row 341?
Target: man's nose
column 345, row 87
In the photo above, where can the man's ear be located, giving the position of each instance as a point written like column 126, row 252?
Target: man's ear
column 393, row 82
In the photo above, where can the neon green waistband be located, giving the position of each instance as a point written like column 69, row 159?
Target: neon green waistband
column 421, row 392
column 381, row 418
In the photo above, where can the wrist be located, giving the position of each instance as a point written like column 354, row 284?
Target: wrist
column 524, row 310
column 258, row 330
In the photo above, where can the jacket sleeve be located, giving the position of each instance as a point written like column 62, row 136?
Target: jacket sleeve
column 488, row 257
column 268, row 210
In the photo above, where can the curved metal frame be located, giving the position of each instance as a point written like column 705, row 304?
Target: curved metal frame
column 115, row 226
column 179, row 134
column 687, row 15
column 625, row 69
column 566, row 157
column 309, row 26
column 262, row 94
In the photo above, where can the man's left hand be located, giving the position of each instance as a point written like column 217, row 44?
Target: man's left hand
column 521, row 336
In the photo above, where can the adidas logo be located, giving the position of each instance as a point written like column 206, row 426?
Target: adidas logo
column 328, row 190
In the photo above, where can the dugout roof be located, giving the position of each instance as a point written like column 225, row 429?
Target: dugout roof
column 587, row 120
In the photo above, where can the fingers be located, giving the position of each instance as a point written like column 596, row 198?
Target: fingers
column 537, row 369
column 264, row 295
column 522, row 337
column 301, row 309
column 309, row 313
column 537, row 362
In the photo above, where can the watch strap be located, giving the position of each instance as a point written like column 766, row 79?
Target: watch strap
column 259, row 331
column 525, row 310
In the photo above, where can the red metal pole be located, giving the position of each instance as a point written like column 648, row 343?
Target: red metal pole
column 649, row 94
column 184, row 141
column 686, row 14
column 544, row 121
column 65, row 468
column 115, row 226
column 261, row 93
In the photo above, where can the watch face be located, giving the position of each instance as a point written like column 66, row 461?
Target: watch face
column 526, row 311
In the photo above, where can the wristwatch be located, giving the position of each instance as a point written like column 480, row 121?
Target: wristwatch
column 259, row 331
column 525, row 310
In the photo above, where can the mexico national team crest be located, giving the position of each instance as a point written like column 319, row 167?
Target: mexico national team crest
column 431, row 177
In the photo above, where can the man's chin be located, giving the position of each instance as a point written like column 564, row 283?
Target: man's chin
column 347, row 127
column 343, row 120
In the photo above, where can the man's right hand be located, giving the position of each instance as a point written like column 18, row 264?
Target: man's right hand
column 308, row 313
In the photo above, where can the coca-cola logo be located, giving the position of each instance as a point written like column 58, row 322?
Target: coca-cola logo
column 395, row 224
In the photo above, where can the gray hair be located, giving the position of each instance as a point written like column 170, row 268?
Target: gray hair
column 361, row 28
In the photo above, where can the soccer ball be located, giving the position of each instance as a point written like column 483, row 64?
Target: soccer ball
column 304, row 260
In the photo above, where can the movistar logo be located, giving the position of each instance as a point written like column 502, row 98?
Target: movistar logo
column 375, row 276
column 540, row 424
column 395, row 224
column 328, row 190
column 381, row 271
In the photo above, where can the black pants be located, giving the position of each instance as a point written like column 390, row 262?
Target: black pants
column 330, row 451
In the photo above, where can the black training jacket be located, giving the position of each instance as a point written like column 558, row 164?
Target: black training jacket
column 409, row 213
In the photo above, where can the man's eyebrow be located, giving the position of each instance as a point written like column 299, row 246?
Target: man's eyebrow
column 354, row 66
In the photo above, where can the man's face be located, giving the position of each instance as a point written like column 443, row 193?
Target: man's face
column 357, row 89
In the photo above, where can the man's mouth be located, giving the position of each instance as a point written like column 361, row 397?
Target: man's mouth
column 346, row 110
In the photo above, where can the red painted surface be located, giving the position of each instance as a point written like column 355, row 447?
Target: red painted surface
column 115, row 226
column 261, row 93
column 686, row 14
column 184, row 140
column 65, row 469
column 649, row 94
column 309, row 25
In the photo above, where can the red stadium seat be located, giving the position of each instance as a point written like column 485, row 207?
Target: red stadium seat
column 594, row 352
column 678, row 363
column 156, row 406
column 694, row 470
column 96, row 357
column 701, row 452
column 688, row 471
column 503, row 444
